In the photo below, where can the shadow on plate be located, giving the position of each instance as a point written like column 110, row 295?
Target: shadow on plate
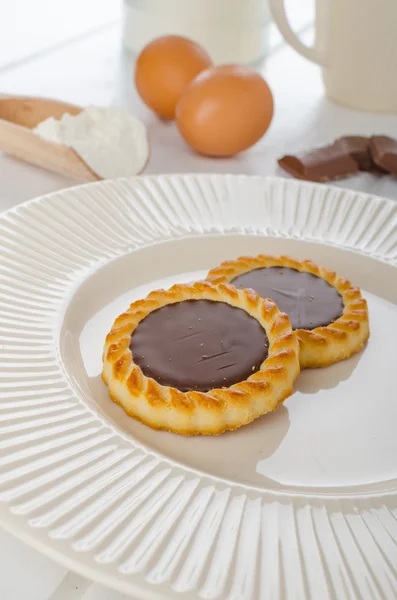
column 312, row 381
column 232, row 455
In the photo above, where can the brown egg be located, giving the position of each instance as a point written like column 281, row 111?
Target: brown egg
column 164, row 69
column 225, row 110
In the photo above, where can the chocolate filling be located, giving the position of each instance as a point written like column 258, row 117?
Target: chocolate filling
column 309, row 301
column 199, row 345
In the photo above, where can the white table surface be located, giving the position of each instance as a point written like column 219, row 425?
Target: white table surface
column 81, row 60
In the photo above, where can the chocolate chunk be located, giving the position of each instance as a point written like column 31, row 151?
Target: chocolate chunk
column 199, row 345
column 384, row 153
column 357, row 146
column 323, row 164
column 309, row 301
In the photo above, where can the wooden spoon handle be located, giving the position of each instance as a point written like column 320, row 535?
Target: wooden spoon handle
column 22, row 143
column 29, row 112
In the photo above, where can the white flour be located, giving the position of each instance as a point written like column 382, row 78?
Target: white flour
column 111, row 141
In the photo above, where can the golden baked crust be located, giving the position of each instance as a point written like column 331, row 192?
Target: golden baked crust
column 322, row 346
column 216, row 411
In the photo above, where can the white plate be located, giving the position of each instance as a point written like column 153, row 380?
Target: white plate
column 300, row 504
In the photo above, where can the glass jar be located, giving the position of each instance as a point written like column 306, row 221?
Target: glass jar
column 232, row 31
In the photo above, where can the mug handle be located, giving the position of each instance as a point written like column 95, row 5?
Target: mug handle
column 277, row 8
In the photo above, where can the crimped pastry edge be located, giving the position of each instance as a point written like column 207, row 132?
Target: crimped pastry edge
column 218, row 410
column 322, row 346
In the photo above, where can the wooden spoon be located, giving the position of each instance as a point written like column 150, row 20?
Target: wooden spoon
column 18, row 117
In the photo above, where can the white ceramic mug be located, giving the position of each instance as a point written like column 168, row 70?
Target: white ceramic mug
column 356, row 44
